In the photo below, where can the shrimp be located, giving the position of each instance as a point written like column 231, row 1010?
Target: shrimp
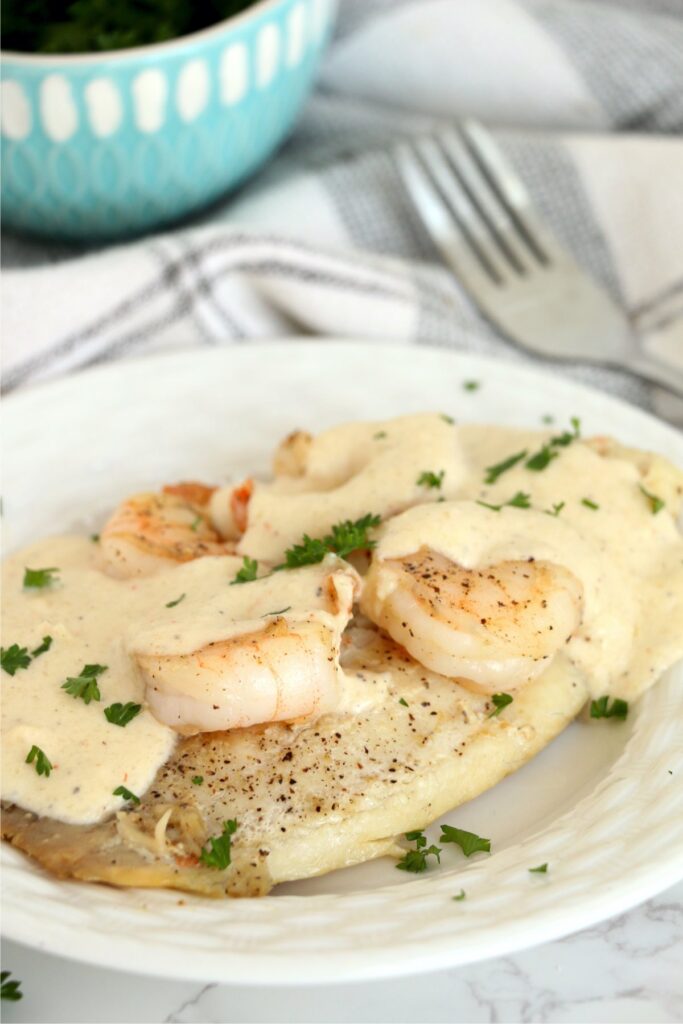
column 148, row 532
column 493, row 629
column 282, row 670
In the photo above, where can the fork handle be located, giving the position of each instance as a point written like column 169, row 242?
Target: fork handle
column 658, row 372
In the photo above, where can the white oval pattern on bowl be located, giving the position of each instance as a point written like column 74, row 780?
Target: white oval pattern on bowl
column 15, row 110
column 103, row 102
column 57, row 108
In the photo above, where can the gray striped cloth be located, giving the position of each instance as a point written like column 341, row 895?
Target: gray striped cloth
column 585, row 96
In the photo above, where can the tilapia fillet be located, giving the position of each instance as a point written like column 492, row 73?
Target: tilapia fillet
column 312, row 798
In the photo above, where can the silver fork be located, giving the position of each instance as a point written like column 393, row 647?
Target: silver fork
column 482, row 220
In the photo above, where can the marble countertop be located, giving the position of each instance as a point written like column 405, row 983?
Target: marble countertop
column 627, row 969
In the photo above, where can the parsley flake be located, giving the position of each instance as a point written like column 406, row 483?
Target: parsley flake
column 520, row 500
column 471, row 385
column 493, row 472
column 415, row 860
column 446, row 418
column 469, row 842
column 547, row 418
column 461, row 896
column 122, row 714
column 379, row 435
column 601, row 708
column 172, row 604
column 217, row 855
column 403, row 702
column 555, row 510
column 656, row 504
column 36, row 579
column 14, row 657
column 589, row 504
column 247, row 573
column 542, row 869
column 85, row 685
column 43, row 765
column 197, row 780
column 196, row 523
column 279, row 611
column 542, row 458
column 430, row 479
column 10, row 990
column 95, row 538
column 499, row 701
column 126, row 794
column 43, row 647
column 345, row 538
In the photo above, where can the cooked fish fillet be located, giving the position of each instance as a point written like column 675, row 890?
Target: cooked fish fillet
column 312, row 798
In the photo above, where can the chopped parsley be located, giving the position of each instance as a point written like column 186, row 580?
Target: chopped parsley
column 247, row 573
column 379, row 435
column 547, row 418
column 196, row 523
column 520, row 500
column 95, row 538
column 446, row 418
column 601, row 708
column 499, row 701
column 416, row 860
column 126, row 794
column 43, row 765
column 43, row 647
column 122, row 714
column 493, row 472
column 567, row 436
column 216, row 853
column 10, row 990
column 345, row 537
column 471, row 385
column 197, row 780
column 461, row 896
column 403, row 702
column 656, row 504
column 172, row 604
column 589, row 504
column 555, row 510
column 429, row 479
column 469, row 842
column 36, row 579
column 279, row 611
column 542, row 458
column 542, row 869
column 85, row 685
column 14, row 657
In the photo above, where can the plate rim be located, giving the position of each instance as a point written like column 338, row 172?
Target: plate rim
column 376, row 963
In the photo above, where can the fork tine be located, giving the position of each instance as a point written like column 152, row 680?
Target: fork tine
column 493, row 212
column 446, row 234
column 511, row 192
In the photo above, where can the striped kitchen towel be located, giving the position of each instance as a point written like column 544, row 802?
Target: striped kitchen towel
column 585, row 96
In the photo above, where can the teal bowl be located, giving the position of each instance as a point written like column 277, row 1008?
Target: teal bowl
column 107, row 145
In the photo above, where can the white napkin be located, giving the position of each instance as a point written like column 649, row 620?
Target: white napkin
column 585, row 96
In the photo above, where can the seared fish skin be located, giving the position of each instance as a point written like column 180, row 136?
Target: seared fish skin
column 311, row 798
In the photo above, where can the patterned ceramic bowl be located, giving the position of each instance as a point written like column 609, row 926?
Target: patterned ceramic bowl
column 107, row 144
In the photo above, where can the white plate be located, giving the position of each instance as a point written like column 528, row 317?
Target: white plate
column 599, row 804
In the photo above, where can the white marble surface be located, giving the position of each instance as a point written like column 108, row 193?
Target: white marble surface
column 626, row 969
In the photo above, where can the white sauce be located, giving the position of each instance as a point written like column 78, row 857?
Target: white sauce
column 629, row 561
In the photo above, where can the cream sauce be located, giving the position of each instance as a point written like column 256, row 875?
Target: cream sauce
column 629, row 561
column 349, row 471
